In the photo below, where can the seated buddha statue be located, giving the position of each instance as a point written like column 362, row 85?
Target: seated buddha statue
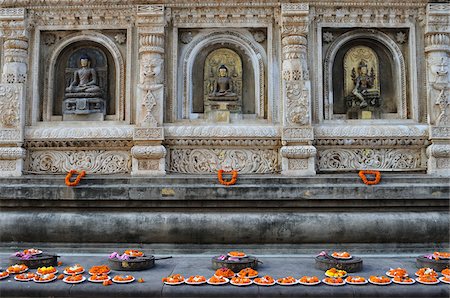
column 223, row 86
column 84, row 96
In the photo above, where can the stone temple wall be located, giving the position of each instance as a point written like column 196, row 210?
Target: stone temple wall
column 295, row 72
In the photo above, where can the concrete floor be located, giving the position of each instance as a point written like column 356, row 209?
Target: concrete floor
column 274, row 265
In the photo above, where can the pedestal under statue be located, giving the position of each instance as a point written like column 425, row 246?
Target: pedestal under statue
column 223, row 100
column 84, row 96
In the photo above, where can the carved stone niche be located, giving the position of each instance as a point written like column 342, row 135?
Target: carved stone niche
column 364, row 75
column 192, row 74
column 69, row 62
column 59, row 58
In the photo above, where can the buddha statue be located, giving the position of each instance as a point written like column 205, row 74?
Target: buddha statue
column 84, row 96
column 223, row 86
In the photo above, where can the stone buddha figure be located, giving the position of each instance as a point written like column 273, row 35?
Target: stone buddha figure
column 364, row 86
column 223, row 86
column 84, row 96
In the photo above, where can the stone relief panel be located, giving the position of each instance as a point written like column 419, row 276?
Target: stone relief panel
column 9, row 106
column 92, row 161
column 378, row 159
column 209, row 161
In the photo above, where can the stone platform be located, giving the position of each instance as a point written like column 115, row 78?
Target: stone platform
column 274, row 265
column 403, row 208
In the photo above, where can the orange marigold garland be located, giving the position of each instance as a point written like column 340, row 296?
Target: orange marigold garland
column 234, row 175
column 362, row 174
column 77, row 180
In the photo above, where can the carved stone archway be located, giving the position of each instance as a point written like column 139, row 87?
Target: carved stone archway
column 253, row 51
column 397, row 58
column 119, row 68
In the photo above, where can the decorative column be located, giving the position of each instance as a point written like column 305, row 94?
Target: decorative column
column 297, row 153
column 12, row 91
column 437, row 50
column 148, row 153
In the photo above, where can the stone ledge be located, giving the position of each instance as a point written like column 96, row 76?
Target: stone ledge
column 277, row 266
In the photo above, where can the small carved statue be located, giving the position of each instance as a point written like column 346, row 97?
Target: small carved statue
column 84, row 79
column 84, row 96
column 223, row 85
column 363, row 84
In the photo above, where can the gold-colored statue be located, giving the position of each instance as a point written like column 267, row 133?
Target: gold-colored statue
column 361, row 84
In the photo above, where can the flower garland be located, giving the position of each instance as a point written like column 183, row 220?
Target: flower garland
column 362, row 174
column 234, row 176
column 77, row 180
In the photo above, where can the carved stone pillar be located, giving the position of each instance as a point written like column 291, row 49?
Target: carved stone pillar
column 12, row 91
column 297, row 153
column 149, row 155
column 437, row 50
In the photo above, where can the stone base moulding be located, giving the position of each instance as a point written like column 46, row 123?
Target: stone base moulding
column 148, row 160
column 439, row 159
column 11, row 161
column 298, row 160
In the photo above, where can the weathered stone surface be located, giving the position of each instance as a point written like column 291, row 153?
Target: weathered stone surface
column 185, row 209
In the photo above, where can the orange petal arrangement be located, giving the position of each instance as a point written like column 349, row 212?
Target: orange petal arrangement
column 224, row 272
column 357, row 280
column 289, row 280
column 266, row 280
column 333, row 272
column 403, row 280
column 309, row 280
column 217, row 280
column 426, row 271
column 397, row 272
column 442, row 255
column 74, row 269
column 24, row 276
column 173, row 279
column 234, row 176
column 17, row 268
column 362, row 174
column 334, row 281
column 99, row 277
column 45, row 277
column 380, row 280
column 240, row 281
column 77, row 180
column 341, row 255
column 248, row 272
column 196, row 279
column 103, row 269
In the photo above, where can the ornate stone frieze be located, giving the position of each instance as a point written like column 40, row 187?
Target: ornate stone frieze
column 438, row 15
column 297, row 102
column 440, row 132
column 257, row 143
column 379, row 159
column 208, row 161
column 79, row 144
column 92, row 161
column 298, row 152
column 214, row 131
column 117, row 15
column 148, row 152
column 297, row 164
column 298, row 133
column 7, row 165
column 370, row 131
column 372, row 142
column 148, row 133
column 12, row 153
column 10, row 97
column 439, row 150
column 193, row 17
column 368, row 14
column 10, row 135
column 99, row 132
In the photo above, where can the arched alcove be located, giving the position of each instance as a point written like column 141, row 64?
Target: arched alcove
column 190, row 81
column 391, row 74
column 69, row 61
column 248, row 79
column 106, row 58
